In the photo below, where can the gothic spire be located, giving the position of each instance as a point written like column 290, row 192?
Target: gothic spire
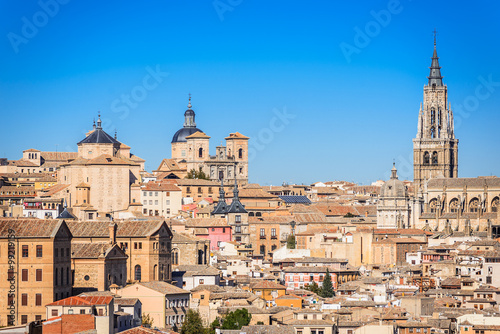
column 435, row 78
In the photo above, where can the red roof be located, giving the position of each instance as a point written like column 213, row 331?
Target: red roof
column 83, row 301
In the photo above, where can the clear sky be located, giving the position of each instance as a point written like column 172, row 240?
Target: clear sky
column 326, row 90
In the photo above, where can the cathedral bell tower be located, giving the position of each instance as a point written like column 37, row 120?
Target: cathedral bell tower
column 435, row 149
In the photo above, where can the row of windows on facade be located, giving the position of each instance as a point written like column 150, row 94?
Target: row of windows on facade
column 201, row 152
column 177, row 303
column 175, row 319
column 145, row 193
column 156, row 202
column 51, row 169
column 454, row 205
column 263, row 249
column 58, row 275
column 137, row 245
column 263, row 233
column 162, row 272
column 99, row 311
column 39, row 251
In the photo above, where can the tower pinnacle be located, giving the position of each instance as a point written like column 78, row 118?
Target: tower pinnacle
column 435, row 78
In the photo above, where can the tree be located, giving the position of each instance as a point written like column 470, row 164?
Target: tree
column 327, row 288
column 313, row 287
column 215, row 324
column 290, row 242
column 147, row 321
column 192, row 323
column 236, row 319
column 194, row 174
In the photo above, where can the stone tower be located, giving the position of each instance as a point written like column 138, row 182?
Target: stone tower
column 435, row 149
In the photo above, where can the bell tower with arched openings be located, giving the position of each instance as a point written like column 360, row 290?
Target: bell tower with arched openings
column 435, row 149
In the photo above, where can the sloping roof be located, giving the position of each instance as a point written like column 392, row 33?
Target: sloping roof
column 236, row 135
column 83, row 301
column 163, row 287
column 198, row 270
column 98, row 136
column 134, row 228
column 160, row 186
column 30, row 228
column 267, row 285
column 295, row 199
column 91, row 250
column 198, row 134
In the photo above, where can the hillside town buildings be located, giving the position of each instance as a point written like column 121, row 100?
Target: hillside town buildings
column 92, row 242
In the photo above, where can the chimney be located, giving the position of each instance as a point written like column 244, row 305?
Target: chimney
column 112, row 233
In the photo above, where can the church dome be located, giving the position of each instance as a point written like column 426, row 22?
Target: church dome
column 181, row 134
column 394, row 187
column 189, row 126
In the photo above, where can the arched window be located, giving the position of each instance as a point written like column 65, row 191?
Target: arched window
column 137, row 273
column 434, row 158
column 200, row 152
column 433, row 132
column 201, row 256
column 454, row 205
column 433, row 116
column 433, row 204
column 495, row 204
column 258, row 214
column 240, row 153
column 262, row 250
column 426, row 158
column 251, row 214
column 474, row 205
column 155, row 272
column 175, row 257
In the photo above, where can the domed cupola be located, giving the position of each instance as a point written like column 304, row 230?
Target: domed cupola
column 394, row 187
column 189, row 125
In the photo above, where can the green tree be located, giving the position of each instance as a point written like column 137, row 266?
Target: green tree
column 313, row 288
column 194, row 174
column 236, row 319
column 327, row 288
column 215, row 324
column 147, row 321
column 192, row 323
column 290, row 242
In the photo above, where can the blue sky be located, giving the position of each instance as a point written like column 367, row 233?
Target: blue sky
column 352, row 102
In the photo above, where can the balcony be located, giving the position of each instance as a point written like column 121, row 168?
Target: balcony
column 274, row 237
column 262, row 237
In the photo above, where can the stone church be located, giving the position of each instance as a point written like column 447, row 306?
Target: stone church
column 443, row 202
column 190, row 151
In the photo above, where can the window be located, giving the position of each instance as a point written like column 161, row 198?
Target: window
column 262, row 250
column 38, row 299
column 101, row 312
column 202, row 296
column 25, row 250
column 474, row 205
column 273, row 232
column 237, row 229
column 54, row 313
column 156, row 193
column 434, row 158
column 39, row 251
column 240, row 153
column 202, row 281
column 156, row 202
column 24, row 299
column 39, row 275
column 140, row 245
column 426, row 158
column 56, row 252
column 237, row 218
column 137, row 273
column 24, row 319
column 199, row 190
column 262, row 233
column 24, row 275
column 82, row 311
